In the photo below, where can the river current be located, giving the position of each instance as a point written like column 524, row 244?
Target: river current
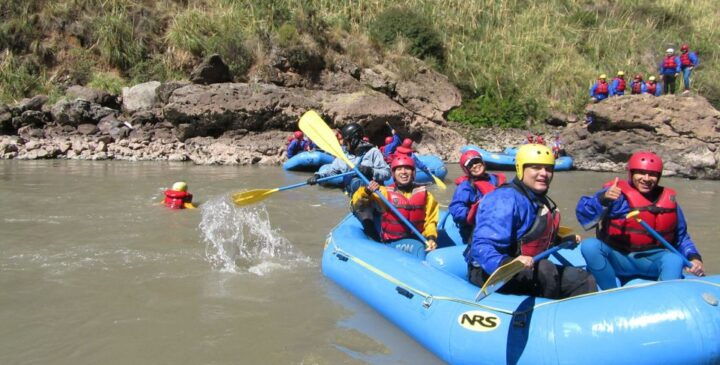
column 93, row 269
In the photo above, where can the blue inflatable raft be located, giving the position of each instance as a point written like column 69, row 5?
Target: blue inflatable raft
column 670, row 322
column 434, row 164
column 506, row 159
column 308, row 161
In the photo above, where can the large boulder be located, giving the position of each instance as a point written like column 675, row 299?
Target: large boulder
column 140, row 97
column 96, row 96
column 684, row 130
column 79, row 111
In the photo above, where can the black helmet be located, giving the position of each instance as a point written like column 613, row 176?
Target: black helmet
column 352, row 134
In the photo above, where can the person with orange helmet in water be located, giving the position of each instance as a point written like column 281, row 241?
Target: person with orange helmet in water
column 414, row 202
column 623, row 249
column 600, row 90
column 178, row 197
column 475, row 184
column 688, row 61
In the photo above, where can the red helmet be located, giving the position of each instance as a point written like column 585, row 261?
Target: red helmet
column 298, row 134
column 407, row 143
column 638, row 76
column 388, row 140
column 402, row 160
column 644, row 160
column 530, row 138
column 684, row 47
column 468, row 159
column 403, row 151
column 366, row 139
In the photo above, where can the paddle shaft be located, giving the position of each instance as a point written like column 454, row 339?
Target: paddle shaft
column 663, row 241
column 293, row 186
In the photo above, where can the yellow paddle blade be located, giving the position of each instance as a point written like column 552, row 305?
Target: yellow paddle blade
column 439, row 182
column 251, row 196
column 565, row 231
column 312, row 124
column 502, row 275
column 633, row 214
column 189, row 206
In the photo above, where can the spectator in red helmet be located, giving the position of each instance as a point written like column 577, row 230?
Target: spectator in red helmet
column 637, row 85
column 414, row 202
column 623, row 249
column 471, row 188
column 688, row 61
column 297, row 145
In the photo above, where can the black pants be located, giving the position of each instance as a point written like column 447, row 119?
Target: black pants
column 668, row 84
column 547, row 280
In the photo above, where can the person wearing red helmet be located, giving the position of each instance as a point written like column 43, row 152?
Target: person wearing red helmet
column 471, row 188
column 407, row 143
column 688, row 61
column 297, row 145
column 414, row 202
column 623, row 249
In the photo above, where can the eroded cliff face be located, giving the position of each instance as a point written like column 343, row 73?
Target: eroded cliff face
column 231, row 123
column 683, row 130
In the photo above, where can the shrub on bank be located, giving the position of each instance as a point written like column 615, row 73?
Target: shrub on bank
column 424, row 40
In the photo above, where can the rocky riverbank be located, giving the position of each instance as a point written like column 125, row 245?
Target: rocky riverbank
column 213, row 121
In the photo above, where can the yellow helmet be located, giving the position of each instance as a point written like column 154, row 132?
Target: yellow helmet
column 532, row 154
column 603, row 76
column 651, row 78
column 621, row 73
column 179, row 186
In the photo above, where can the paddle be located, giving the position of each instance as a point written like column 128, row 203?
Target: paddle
column 504, row 273
column 256, row 195
column 314, row 126
column 437, row 180
column 634, row 214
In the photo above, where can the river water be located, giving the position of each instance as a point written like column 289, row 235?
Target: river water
column 94, row 270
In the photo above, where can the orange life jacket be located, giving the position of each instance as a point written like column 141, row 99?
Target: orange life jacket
column 602, row 88
column 651, row 87
column 669, row 62
column 412, row 208
column 621, row 84
column 485, row 187
column 544, row 229
column 685, row 60
column 627, row 234
column 637, row 87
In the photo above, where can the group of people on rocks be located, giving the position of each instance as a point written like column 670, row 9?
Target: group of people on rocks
column 556, row 144
column 669, row 68
column 502, row 221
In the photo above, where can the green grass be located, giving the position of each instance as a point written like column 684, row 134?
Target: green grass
column 513, row 59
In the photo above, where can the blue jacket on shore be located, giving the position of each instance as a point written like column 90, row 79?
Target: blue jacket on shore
column 502, row 218
column 596, row 95
column 693, row 58
column 296, row 146
column 590, row 212
column 614, row 87
column 643, row 88
column 465, row 196
column 668, row 70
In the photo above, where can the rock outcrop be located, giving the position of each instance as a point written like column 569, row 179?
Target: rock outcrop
column 684, row 130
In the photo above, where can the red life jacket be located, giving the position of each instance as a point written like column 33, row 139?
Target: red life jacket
column 627, row 234
column 412, row 208
column 636, row 87
column 544, row 229
column 669, row 62
column 484, row 187
column 621, row 84
column 685, row 60
column 602, row 88
column 651, row 88
column 176, row 199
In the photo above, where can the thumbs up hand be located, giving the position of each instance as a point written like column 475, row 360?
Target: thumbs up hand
column 611, row 194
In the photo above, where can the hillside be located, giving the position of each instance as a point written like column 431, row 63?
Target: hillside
column 513, row 59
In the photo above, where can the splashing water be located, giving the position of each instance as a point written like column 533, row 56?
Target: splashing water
column 241, row 239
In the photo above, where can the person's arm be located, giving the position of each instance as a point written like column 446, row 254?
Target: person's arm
column 291, row 148
column 494, row 230
column 590, row 210
column 643, row 88
column 374, row 159
column 613, row 87
column 694, row 59
column 460, row 204
column 390, row 147
column 336, row 167
column 678, row 65
column 592, row 90
column 432, row 213
column 685, row 244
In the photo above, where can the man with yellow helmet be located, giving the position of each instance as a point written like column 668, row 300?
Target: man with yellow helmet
column 618, row 84
column 600, row 89
column 651, row 87
column 518, row 221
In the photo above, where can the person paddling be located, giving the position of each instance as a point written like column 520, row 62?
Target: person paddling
column 414, row 202
column 622, row 247
column 518, row 221
column 471, row 188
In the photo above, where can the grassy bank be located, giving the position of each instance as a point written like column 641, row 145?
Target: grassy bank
column 513, row 59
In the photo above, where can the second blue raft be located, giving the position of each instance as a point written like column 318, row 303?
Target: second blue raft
column 308, row 161
column 506, row 160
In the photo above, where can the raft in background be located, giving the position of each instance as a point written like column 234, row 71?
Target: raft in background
column 308, row 161
column 670, row 322
column 506, row 160
column 434, row 164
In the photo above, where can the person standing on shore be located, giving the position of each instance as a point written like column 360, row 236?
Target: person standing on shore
column 669, row 69
column 617, row 86
column 600, row 89
column 688, row 61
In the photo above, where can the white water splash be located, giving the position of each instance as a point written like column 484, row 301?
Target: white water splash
column 241, row 239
